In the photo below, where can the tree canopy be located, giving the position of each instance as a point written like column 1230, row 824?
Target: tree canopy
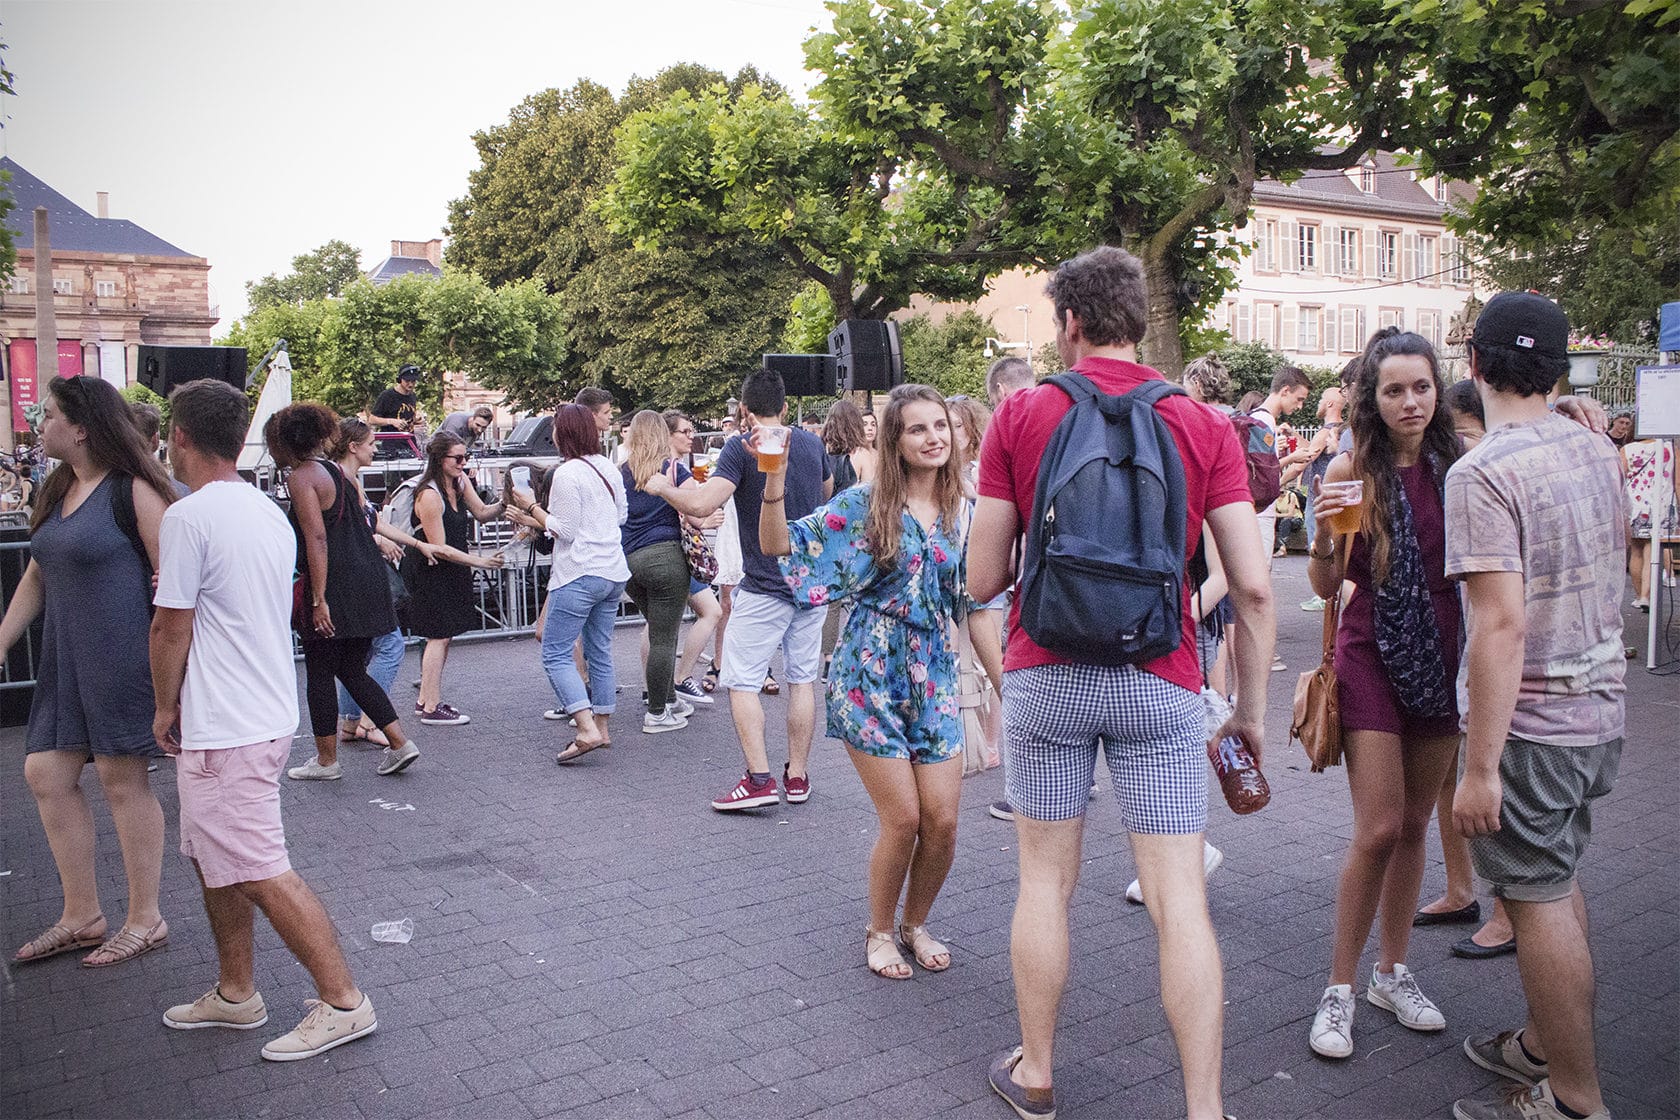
column 323, row 272
column 8, row 240
column 676, row 325
column 344, row 351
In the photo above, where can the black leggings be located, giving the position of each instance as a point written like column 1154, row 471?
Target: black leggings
column 345, row 659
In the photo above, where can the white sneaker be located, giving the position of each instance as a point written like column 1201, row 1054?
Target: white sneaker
column 1212, row 858
column 1332, row 1027
column 668, row 720
column 682, row 707
column 556, row 714
column 313, row 771
column 1399, row 993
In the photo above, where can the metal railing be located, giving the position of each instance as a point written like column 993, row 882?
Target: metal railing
column 18, row 668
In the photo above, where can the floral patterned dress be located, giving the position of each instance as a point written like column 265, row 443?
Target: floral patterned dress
column 892, row 687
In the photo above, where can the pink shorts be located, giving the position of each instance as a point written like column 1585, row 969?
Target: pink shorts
column 230, row 812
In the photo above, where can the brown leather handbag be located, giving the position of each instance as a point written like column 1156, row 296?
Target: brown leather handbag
column 1317, row 717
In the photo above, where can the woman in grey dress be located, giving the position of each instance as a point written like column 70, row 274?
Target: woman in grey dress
column 91, row 586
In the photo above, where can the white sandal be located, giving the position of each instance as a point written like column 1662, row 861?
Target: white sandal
column 882, row 955
column 924, row 947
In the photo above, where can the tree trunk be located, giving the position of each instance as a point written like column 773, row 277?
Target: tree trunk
column 1161, row 348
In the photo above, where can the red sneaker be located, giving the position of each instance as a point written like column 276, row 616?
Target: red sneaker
column 798, row 789
column 745, row 795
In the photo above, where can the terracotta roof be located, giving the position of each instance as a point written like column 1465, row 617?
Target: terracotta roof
column 73, row 229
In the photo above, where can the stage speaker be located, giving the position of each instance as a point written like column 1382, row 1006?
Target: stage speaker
column 164, row 367
column 805, row 375
column 866, row 354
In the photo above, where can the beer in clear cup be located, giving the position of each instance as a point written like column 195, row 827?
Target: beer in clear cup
column 1346, row 520
column 772, row 448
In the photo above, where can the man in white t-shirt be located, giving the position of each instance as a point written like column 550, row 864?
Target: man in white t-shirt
column 221, row 651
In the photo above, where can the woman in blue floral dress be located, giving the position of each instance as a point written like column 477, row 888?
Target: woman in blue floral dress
column 894, row 548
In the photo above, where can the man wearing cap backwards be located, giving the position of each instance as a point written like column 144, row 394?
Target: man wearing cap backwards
column 1536, row 529
column 397, row 408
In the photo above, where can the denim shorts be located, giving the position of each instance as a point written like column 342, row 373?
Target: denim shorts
column 1055, row 717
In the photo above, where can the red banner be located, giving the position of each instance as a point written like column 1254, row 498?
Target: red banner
column 25, row 387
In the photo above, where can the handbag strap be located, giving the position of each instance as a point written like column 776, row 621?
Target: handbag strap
column 1333, row 613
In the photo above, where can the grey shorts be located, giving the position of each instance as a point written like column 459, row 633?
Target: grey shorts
column 1545, row 819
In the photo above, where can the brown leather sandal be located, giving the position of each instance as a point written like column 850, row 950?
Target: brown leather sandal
column 128, row 944
column 60, row 939
column 883, row 956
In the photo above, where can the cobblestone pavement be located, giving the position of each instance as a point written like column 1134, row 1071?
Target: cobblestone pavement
column 596, row 941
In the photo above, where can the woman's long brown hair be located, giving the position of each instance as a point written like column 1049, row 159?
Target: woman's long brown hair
column 114, row 442
column 890, row 490
column 1373, row 448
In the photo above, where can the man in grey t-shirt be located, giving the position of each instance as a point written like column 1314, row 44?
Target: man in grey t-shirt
column 1536, row 529
column 468, row 426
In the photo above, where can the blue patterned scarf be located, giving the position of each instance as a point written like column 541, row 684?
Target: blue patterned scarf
column 1407, row 637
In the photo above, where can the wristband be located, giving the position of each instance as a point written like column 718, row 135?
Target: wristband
column 773, row 501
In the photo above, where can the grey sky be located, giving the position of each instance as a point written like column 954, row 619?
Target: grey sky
column 250, row 132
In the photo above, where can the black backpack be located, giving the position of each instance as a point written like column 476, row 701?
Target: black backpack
column 1102, row 576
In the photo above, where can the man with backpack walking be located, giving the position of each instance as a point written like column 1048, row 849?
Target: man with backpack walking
column 1102, row 651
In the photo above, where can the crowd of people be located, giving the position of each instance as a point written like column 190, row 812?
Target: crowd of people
column 889, row 559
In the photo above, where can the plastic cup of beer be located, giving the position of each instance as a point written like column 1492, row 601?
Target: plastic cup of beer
column 1346, row 520
column 772, row 448
column 700, row 470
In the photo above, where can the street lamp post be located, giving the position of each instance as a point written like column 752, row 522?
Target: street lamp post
column 1026, row 329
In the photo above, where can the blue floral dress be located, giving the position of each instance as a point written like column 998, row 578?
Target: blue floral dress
column 892, row 687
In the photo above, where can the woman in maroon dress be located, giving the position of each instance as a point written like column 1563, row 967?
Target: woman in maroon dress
column 1396, row 666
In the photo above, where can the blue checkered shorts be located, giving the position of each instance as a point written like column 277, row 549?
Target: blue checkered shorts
column 1056, row 716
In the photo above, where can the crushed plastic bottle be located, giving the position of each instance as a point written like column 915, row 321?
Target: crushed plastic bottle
column 394, row 933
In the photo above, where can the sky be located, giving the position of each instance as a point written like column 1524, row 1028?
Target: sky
column 247, row 133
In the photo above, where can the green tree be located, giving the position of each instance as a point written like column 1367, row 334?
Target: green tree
column 673, row 326
column 949, row 354
column 324, row 272
column 345, row 351
column 860, row 219
column 1585, row 204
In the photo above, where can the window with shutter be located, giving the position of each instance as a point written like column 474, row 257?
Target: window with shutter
column 1263, row 328
column 1373, row 267
column 1408, row 257
column 1290, row 258
column 1388, row 254
column 1332, row 251
column 1429, row 266
column 1287, row 315
column 1243, row 328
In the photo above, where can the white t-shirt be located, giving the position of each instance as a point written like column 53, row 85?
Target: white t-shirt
column 226, row 552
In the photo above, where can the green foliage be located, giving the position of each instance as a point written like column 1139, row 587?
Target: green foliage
column 673, row 326
column 950, row 354
column 345, row 351
column 1251, row 366
column 810, row 318
column 139, row 394
column 850, row 210
column 326, row 271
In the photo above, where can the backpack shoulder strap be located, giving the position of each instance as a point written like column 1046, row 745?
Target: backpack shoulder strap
column 1154, row 391
column 1075, row 385
column 122, row 510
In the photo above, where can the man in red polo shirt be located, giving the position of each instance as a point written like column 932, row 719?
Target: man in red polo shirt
column 1147, row 718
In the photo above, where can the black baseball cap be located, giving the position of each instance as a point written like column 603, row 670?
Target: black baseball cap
column 1523, row 321
column 409, row 372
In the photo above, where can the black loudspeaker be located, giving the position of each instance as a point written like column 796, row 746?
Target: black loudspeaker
column 164, row 367
column 805, row 375
column 866, row 354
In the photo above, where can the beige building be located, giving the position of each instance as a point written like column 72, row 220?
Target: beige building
column 115, row 285
column 1328, row 260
